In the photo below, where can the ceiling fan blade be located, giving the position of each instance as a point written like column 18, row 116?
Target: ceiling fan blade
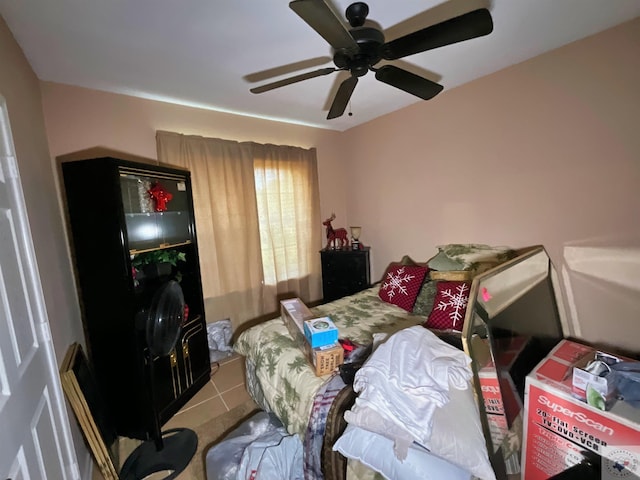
column 294, row 79
column 318, row 15
column 343, row 95
column 409, row 82
column 288, row 69
column 476, row 23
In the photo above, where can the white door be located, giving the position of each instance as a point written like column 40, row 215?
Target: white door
column 35, row 440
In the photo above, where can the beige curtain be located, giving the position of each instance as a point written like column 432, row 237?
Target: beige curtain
column 237, row 223
column 287, row 192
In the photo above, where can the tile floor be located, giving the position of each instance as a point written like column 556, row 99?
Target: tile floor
column 224, row 391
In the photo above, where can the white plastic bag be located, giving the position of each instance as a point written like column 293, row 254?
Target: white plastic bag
column 259, row 449
column 223, row 459
column 274, row 455
column 219, row 338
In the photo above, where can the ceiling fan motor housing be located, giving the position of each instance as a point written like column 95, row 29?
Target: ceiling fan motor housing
column 370, row 42
column 356, row 13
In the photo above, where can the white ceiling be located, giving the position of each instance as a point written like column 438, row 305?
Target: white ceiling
column 200, row 52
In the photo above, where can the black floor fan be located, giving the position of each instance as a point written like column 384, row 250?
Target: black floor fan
column 173, row 449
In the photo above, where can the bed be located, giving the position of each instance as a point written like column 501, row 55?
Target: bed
column 280, row 379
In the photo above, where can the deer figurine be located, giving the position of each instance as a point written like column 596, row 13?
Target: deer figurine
column 334, row 235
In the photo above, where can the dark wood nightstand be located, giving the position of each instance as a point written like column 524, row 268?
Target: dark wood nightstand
column 344, row 272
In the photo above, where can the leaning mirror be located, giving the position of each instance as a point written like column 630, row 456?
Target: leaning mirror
column 514, row 319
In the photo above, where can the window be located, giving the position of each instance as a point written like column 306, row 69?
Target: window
column 258, row 222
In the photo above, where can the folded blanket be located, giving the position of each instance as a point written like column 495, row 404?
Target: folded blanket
column 469, row 256
column 314, row 435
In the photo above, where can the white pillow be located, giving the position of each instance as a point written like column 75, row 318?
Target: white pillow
column 456, row 433
column 376, row 452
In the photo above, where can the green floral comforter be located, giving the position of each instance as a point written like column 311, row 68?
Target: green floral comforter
column 286, row 378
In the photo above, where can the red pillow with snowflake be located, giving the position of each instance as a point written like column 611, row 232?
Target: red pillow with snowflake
column 449, row 306
column 401, row 285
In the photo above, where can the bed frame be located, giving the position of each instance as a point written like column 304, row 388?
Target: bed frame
column 334, row 465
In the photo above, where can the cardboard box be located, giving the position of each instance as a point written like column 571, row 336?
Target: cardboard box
column 320, row 332
column 502, row 403
column 561, row 430
column 324, row 359
column 294, row 312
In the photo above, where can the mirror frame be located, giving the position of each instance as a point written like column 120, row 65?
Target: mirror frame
column 524, row 277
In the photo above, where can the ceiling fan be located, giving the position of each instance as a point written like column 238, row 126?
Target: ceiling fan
column 361, row 47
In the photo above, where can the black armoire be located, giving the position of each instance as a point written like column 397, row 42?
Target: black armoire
column 132, row 231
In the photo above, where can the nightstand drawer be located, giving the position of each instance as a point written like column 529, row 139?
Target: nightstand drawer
column 344, row 272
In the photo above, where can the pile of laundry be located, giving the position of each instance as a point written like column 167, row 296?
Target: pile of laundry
column 414, row 394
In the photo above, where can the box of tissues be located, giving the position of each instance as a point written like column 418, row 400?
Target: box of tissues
column 320, row 332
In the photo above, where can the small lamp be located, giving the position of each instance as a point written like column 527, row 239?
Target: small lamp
column 355, row 238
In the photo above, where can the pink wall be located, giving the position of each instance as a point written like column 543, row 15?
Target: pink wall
column 544, row 152
column 79, row 118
